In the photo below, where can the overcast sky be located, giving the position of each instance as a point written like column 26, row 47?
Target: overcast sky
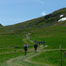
column 15, row 11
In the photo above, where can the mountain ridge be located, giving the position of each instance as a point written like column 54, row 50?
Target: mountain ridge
column 40, row 22
column 55, row 16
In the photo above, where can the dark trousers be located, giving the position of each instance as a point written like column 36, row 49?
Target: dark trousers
column 25, row 51
column 65, row 55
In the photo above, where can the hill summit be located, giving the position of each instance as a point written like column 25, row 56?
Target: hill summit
column 57, row 16
column 41, row 22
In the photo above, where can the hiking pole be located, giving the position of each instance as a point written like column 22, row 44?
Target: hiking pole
column 60, row 56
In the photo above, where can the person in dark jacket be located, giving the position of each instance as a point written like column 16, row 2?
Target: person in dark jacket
column 65, row 53
column 35, row 47
column 26, row 48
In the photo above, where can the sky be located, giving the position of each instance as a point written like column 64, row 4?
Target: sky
column 16, row 11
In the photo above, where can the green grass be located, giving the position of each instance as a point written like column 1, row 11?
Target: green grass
column 50, row 57
column 11, row 41
column 53, row 35
column 5, row 57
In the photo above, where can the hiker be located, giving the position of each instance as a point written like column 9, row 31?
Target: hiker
column 26, row 48
column 35, row 47
column 39, row 42
column 65, row 53
column 44, row 43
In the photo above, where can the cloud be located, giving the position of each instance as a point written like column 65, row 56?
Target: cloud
column 43, row 13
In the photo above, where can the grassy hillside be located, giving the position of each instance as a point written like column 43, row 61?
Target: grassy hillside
column 53, row 35
column 44, row 21
column 40, row 22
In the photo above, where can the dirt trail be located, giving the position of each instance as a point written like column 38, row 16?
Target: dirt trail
column 23, row 59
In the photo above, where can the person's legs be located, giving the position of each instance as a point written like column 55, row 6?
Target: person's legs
column 65, row 55
column 35, row 49
column 25, row 51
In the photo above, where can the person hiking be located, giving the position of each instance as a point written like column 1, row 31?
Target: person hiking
column 26, row 48
column 35, row 47
column 39, row 42
column 65, row 53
